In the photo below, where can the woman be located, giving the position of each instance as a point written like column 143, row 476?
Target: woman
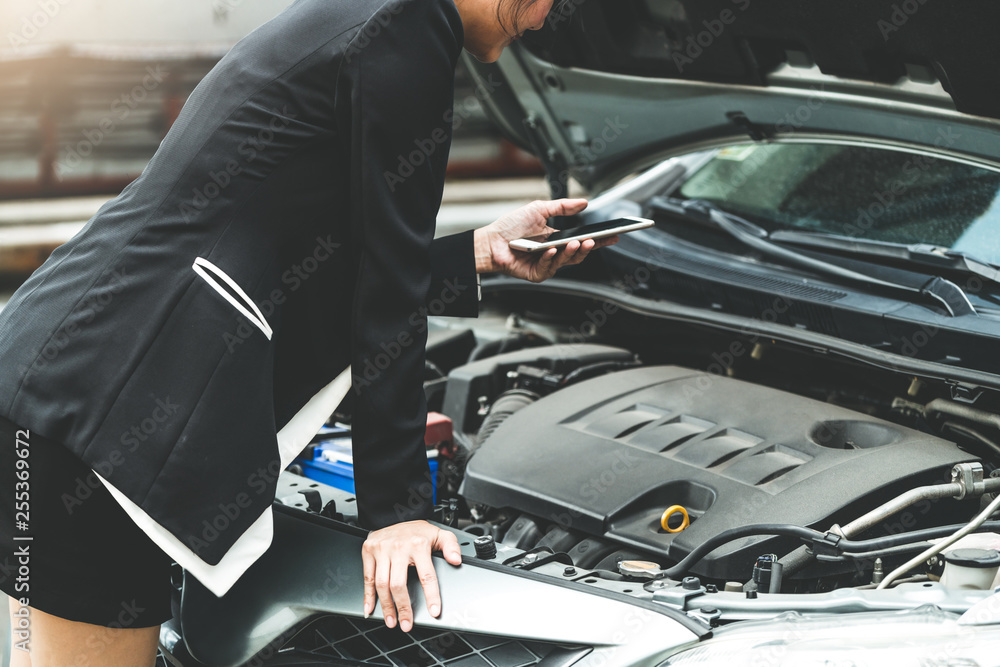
column 161, row 368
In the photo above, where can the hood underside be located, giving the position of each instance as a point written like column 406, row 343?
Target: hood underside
column 609, row 84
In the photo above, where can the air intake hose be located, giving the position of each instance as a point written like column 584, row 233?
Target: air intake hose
column 506, row 404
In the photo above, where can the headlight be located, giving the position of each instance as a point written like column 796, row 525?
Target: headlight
column 923, row 637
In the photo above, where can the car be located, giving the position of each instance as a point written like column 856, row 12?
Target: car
column 765, row 430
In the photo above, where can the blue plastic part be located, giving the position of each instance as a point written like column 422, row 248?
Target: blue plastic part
column 340, row 474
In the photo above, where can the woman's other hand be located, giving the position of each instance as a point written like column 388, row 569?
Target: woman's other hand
column 387, row 555
column 494, row 254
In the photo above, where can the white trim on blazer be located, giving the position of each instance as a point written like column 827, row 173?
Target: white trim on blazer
column 292, row 439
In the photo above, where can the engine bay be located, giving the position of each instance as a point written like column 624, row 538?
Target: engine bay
column 625, row 457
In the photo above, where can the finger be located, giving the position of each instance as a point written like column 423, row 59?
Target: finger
column 544, row 265
column 447, row 543
column 582, row 253
column 428, row 581
column 561, row 207
column 401, row 596
column 383, row 570
column 590, row 245
column 548, row 256
column 570, row 206
column 569, row 251
column 369, row 566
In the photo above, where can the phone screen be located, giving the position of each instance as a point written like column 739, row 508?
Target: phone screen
column 582, row 230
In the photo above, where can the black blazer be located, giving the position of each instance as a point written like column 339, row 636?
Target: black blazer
column 304, row 172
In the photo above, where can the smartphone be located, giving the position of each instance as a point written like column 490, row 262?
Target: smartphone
column 596, row 230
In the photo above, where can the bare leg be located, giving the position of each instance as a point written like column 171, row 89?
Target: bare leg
column 56, row 642
column 18, row 658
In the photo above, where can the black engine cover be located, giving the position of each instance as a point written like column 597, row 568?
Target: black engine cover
column 609, row 455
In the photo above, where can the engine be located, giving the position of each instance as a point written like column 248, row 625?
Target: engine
column 590, row 468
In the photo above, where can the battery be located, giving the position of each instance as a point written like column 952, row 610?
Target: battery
column 333, row 464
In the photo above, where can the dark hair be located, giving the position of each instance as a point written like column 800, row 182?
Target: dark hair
column 510, row 13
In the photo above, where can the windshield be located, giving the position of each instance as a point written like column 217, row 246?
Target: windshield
column 856, row 191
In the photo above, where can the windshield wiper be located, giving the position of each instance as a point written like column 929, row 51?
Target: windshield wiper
column 918, row 254
column 946, row 293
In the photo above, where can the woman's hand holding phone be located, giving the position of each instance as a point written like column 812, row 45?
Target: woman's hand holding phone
column 494, row 254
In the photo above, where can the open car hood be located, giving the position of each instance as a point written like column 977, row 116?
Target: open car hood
column 609, row 85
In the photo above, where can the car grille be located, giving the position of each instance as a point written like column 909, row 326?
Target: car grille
column 369, row 642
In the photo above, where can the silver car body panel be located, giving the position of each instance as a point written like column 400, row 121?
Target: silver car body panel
column 314, row 567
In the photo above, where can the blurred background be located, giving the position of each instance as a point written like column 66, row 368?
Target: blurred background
column 88, row 88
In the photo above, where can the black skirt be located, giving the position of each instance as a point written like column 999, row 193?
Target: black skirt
column 66, row 547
